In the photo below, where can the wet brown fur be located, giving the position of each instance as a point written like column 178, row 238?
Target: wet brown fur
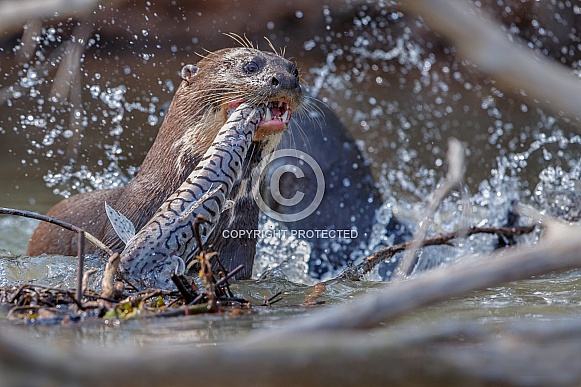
column 196, row 113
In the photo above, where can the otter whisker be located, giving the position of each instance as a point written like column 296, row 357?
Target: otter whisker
column 202, row 56
column 242, row 40
column 309, row 105
column 303, row 135
column 292, row 139
column 271, row 46
column 237, row 38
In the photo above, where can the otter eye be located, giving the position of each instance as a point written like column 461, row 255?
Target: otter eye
column 295, row 72
column 251, row 68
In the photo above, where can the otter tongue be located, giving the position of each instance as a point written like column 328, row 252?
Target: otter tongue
column 276, row 112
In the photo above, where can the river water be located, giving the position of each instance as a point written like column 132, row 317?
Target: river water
column 401, row 92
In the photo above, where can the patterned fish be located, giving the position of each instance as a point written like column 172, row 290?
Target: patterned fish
column 167, row 241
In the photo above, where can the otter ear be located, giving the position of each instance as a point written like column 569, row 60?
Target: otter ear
column 189, row 72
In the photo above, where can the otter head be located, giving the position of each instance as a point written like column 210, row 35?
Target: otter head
column 222, row 80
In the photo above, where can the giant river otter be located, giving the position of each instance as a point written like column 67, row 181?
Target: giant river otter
column 208, row 94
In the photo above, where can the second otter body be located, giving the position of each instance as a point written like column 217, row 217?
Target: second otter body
column 207, row 95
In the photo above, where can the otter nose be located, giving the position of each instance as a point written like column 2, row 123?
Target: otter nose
column 284, row 81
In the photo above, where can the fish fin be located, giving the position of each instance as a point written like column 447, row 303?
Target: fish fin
column 123, row 227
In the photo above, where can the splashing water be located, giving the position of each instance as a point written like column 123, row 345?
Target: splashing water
column 558, row 192
column 71, row 178
column 63, row 134
column 512, row 145
column 277, row 242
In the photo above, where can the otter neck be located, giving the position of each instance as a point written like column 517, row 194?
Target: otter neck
column 180, row 144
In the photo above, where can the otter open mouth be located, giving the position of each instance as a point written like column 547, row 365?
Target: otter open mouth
column 277, row 111
column 275, row 121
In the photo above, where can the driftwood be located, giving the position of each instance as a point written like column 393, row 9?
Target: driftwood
column 558, row 251
column 329, row 347
column 317, row 350
column 411, row 359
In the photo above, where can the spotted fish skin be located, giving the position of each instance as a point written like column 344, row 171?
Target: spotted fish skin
column 167, row 240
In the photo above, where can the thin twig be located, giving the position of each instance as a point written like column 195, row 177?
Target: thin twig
column 145, row 297
column 357, row 272
column 182, row 288
column 86, row 276
column 128, row 282
column 108, row 281
column 80, row 265
column 272, row 300
column 196, row 300
column 76, row 301
column 454, row 178
column 69, row 226
column 229, row 275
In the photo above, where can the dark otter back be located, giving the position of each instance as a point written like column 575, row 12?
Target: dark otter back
column 351, row 198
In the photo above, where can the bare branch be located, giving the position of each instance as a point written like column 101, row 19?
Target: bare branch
column 356, row 273
column 69, row 226
column 108, row 281
column 484, row 42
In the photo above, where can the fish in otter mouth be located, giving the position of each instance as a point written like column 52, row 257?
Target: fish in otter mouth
column 166, row 243
column 232, row 83
column 276, row 119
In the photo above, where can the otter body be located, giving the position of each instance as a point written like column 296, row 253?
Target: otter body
column 208, row 94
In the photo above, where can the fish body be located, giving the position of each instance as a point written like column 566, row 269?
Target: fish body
column 167, row 241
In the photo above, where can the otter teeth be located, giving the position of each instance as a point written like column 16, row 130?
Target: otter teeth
column 285, row 116
column 279, row 107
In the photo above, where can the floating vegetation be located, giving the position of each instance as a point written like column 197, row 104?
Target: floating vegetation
column 33, row 303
